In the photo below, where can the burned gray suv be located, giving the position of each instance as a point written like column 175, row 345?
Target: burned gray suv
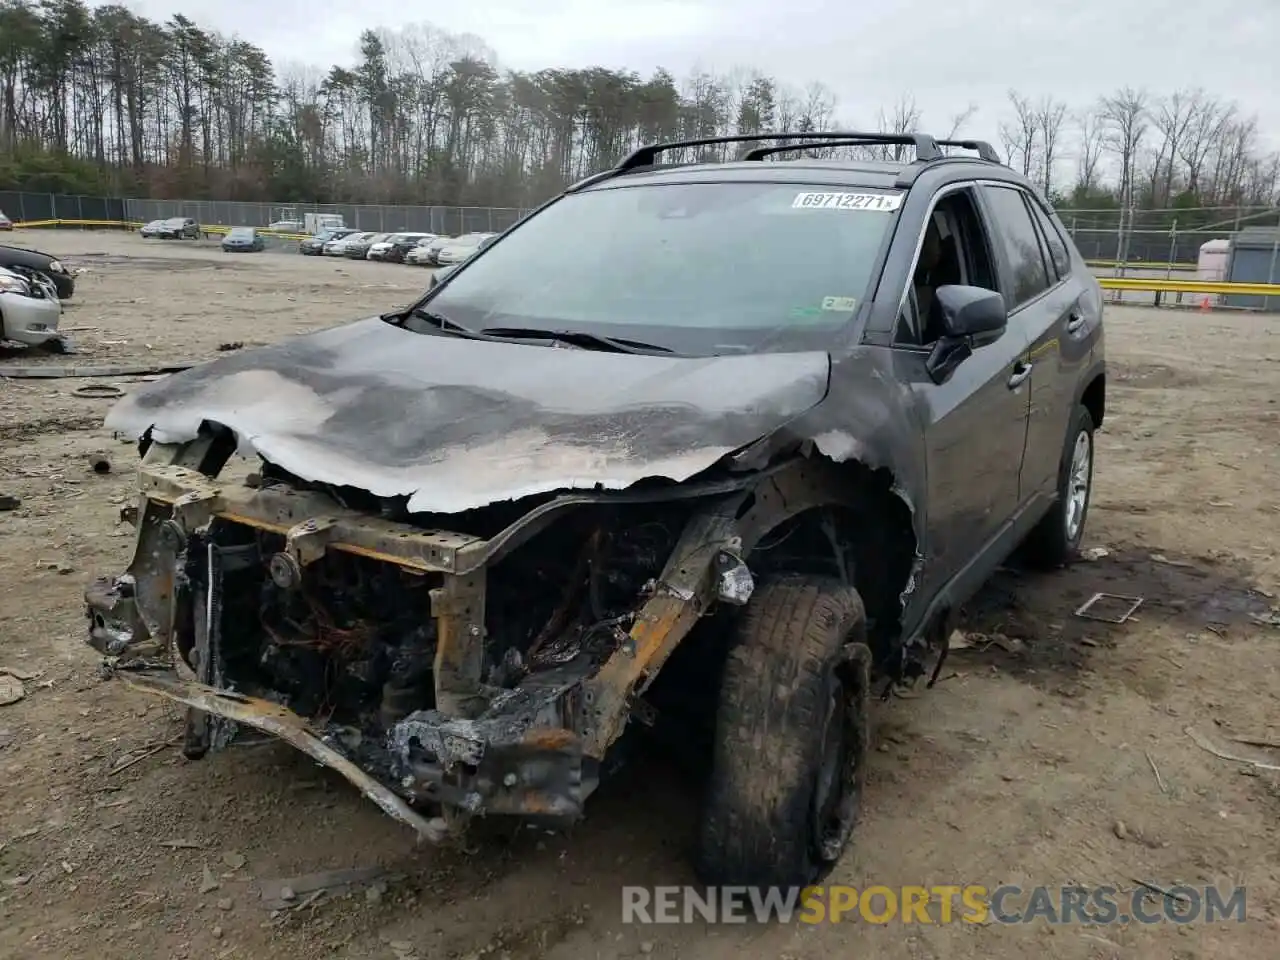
column 678, row 480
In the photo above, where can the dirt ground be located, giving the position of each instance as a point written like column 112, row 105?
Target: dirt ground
column 1057, row 754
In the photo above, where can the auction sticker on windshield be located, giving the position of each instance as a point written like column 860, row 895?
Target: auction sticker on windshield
column 848, row 201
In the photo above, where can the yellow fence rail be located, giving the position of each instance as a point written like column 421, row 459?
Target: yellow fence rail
column 215, row 229
column 1140, row 265
column 1206, row 287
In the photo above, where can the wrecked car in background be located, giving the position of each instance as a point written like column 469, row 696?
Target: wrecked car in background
column 497, row 536
column 29, row 308
column 51, row 268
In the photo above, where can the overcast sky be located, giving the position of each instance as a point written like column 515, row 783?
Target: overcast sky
column 946, row 53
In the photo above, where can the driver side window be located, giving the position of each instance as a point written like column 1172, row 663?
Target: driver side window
column 955, row 250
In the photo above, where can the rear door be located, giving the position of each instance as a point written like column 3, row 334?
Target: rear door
column 1033, row 296
column 1051, row 311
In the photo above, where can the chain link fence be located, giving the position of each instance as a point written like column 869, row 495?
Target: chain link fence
column 383, row 218
column 1118, row 236
column 20, row 205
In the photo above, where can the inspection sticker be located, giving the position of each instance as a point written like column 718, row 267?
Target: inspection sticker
column 843, row 304
column 848, row 201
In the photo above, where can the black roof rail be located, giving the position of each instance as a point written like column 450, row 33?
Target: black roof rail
column 926, row 147
column 985, row 150
column 759, row 153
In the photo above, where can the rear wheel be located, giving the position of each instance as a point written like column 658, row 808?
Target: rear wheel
column 792, row 729
column 1055, row 540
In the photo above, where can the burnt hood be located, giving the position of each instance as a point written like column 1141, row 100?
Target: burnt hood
column 454, row 423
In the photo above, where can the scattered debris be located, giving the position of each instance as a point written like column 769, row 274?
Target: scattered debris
column 1167, row 894
column 1271, row 619
column 89, row 370
column 208, row 882
column 105, row 391
column 1120, row 830
column 1156, row 770
column 20, row 673
column 8, row 502
column 233, row 859
column 149, row 752
column 279, row 894
column 1095, row 553
column 182, row 844
column 11, row 690
column 235, row 345
column 1161, row 558
column 1204, row 743
column 1255, row 742
column 1109, row 600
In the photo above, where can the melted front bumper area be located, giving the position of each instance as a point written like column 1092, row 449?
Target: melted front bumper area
column 475, row 740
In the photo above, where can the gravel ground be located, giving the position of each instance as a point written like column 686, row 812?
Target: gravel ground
column 1056, row 755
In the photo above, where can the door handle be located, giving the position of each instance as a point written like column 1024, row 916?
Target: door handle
column 1075, row 322
column 1021, row 370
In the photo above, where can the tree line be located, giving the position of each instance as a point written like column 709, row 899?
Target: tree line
column 106, row 101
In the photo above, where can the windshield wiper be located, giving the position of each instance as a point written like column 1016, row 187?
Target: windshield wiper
column 437, row 320
column 578, row 338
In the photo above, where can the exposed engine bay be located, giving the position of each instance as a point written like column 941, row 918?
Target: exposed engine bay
column 476, row 672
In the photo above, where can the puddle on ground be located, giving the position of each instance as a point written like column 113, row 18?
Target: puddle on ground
column 1035, row 611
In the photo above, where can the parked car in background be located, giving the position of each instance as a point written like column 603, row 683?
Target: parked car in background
column 394, row 248
column 286, row 226
column 338, row 247
column 243, row 240
column 5, row 222
column 179, row 228
column 29, row 307
column 459, row 248
column 314, row 246
column 63, row 280
column 420, row 254
column 359, row 249
column 428, row 257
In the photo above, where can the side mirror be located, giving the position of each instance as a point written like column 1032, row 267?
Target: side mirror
column 485, row 242
column 971, row 317
column 971, row 312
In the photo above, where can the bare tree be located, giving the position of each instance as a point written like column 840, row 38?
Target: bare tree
column 1089, row 125
column 958, row 120
column 1124, row 114
column 1173, row 116
column 1204, row 129
column 1050, row 115
column 1021, row 135
column 903, row 118
column 96, row 99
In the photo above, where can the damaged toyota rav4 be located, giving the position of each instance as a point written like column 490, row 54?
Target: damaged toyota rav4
column 726, row 468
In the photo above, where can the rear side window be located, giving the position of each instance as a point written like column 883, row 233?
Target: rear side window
column 1057, row 246
column 1014, row 230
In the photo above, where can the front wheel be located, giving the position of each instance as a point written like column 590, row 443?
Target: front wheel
column 792, row 731
column 1055, row 540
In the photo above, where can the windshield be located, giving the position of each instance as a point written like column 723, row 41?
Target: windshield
column 698, row 268
column 241, row 233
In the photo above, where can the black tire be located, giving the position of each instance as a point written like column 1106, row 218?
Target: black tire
column 783, row 796
column 1055, row 540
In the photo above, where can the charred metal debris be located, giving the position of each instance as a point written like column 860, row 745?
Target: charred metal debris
column 484, row 662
